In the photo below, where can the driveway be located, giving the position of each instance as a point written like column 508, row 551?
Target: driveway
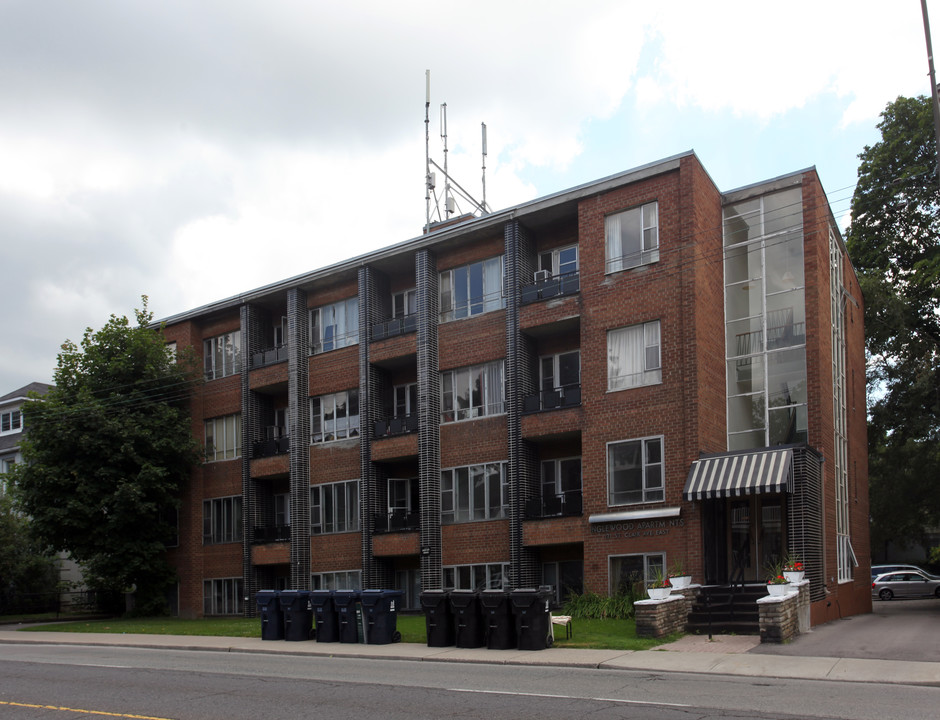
column 895, row 630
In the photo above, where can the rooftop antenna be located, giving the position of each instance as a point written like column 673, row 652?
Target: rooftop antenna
column 451, row 186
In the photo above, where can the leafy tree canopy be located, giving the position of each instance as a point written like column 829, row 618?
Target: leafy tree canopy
column 894, row 243
column 106, row 453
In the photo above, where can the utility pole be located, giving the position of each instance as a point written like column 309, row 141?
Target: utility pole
column 933, row 83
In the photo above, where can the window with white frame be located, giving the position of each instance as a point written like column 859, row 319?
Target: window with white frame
column 337, row 580
column 171, row 351
column 11, row 421
column 222, row 355
column 334, row 507
column 561, row 476
column 404, row 303
column 632, row 574
column 282, row 509
column 224, row 438
column 484, row 576
column 632, row 237
column 560, row 261
column 474, row 492
column 223, row 596
column 472, row 289
column 634, row 356
column 635, row 471
column 472, row 392
column 222, row 520
column 334, row 326
column 406, row 399
column 560, row 371
column 334, row 416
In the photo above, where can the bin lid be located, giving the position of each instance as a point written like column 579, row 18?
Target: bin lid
column 463, row 598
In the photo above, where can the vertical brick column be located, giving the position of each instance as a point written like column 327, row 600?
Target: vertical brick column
column 523, row 482
column 298, row 419
column 429, row 411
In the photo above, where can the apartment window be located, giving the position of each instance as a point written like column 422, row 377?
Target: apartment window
column 224, row 438
column 404, row 303
column 635, row 471
column 560, row 261
column 566, row 578
column 633, row 356
column 561, row 476
column 334, row 326
column 472, row 289
column 222, row 355
column 472, row 392
column 475, row 492
column 634, row 573
column 222, row 520
column 171, row 351
column 11, row 421
column 338, row 580
column 334, row 507
column 561, row 370
column 282, row 509
column 334, row 417
column 632, row 237
column 223, row 596
column 406, row 399
column 488, row 576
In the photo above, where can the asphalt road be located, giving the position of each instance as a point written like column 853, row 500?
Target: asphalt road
column 895, row 630
column 64, row 682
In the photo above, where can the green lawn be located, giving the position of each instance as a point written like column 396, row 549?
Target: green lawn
column 605, row 634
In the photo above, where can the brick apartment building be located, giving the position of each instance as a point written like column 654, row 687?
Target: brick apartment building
column 575, row 391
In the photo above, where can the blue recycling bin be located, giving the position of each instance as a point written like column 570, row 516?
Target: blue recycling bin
column 499, row 627
column 380, row 616
column 533, row 617
column 298, row 614
column 272, row 623
column 468, row 620
column 324, row 616
column 438, row 618
column 349, row 615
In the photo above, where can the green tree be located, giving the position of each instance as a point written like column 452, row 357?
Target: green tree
column 107, row 452
column 24, row 567
column 894, row 243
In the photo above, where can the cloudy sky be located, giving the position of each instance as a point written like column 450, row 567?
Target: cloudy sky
column 193, row 149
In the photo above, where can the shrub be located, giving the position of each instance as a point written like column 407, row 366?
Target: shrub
column 591, row 606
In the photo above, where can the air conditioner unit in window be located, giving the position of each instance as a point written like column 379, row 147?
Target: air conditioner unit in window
column 542, row 275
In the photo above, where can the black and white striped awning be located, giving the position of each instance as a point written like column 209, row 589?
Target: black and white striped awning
column 747, row 473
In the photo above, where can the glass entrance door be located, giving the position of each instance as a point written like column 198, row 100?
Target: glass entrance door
column 755, row 536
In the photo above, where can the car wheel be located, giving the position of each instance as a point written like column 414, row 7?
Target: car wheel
column 886, row 594
column 937, row 593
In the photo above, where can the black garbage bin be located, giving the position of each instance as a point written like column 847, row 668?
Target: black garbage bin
column 348, row 615
column 380, row 616
column 533, row 617
column 468, row 620
column 438, row 619
column 298, row 614
column 272, row 622
column 324, row 615
column 498, row 620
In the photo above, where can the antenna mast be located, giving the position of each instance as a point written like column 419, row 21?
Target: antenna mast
column 484, row 165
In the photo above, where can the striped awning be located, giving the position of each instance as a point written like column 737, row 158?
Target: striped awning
column 729, row 474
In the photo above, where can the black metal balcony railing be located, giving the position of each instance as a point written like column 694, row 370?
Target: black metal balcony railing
column 262, row 534
column 554, row 286
column 568, row 396
column 395, row 326
column 397, row 521
column 564, row 505
column 269, row 356
column 271, row 446
column 396, row 426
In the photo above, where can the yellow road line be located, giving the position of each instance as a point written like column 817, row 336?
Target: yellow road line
column 83, row 712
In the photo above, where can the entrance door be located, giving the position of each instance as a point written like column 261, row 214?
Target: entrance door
column 755, row 536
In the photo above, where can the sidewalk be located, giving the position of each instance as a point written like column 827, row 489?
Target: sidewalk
column 723, row 655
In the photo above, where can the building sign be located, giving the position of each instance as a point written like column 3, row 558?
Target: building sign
column 640, row 528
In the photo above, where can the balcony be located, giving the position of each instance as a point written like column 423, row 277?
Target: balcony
column 397, row 521
column 390, row 427
column 547, row 286
column 264, row 534
column 564, row 397
column 277, row 443
column 395, row 327
column 270, row 356
column 564, row 505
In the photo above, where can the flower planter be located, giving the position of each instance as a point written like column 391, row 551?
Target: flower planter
column 680, row 582
column 778, row 590
column 659, row 593
column 794, row 576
